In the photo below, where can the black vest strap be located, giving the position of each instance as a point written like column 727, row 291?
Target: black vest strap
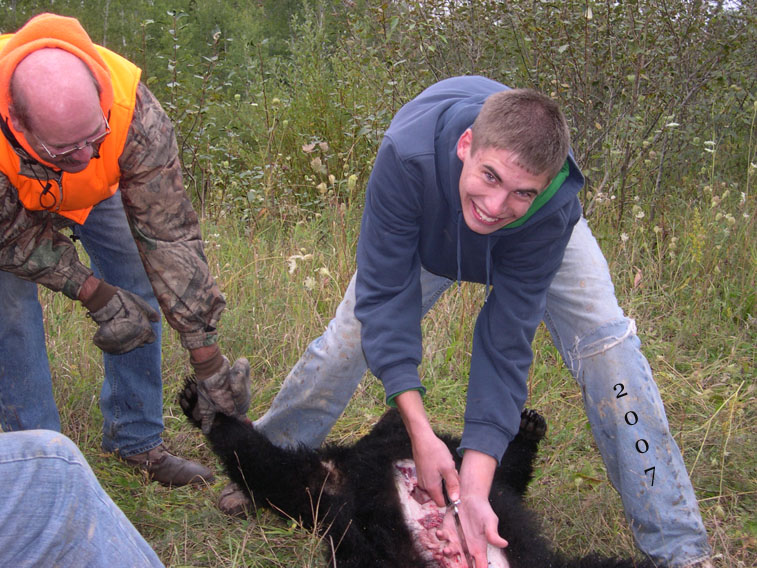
column 11, row 138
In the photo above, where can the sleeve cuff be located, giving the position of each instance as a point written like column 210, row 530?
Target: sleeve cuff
column 485, row 438
column 400, row 378
column 75, row 280
column 390, row 399
column 194, row 339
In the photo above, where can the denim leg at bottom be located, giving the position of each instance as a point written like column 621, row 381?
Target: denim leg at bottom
column 322, row 382
column 131, row 399
column 55, row 513
column 601, row 349
column 26, row 394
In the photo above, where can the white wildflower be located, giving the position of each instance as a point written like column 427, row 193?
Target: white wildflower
column 292, row 260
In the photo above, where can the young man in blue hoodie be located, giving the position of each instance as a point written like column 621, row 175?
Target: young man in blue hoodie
column 474, row 182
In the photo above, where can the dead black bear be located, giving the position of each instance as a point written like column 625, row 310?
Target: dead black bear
column 358, row 495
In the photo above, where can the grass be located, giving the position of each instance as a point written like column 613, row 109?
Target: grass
column 690, row 284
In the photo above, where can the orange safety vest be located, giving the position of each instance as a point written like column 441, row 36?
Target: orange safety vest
column 77, row 192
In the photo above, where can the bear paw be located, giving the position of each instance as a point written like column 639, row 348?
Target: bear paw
column 532, row 425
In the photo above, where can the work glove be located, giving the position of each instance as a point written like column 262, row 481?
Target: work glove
column 124, row 319
column 221, row 388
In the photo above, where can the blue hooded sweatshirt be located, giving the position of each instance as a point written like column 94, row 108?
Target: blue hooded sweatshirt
column 413, row 218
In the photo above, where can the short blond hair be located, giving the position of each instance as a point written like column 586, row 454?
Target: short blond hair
column 527, row 123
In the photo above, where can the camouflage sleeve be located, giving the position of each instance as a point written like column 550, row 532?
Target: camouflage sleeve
column 165, row 225
column 33, row 248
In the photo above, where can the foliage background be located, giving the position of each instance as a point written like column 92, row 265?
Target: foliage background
column 279, row 108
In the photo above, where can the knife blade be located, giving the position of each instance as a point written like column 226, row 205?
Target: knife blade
column 459, row 526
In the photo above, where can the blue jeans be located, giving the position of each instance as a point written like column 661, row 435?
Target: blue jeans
column 55, row 513
column 131, row 399
column 599, row 346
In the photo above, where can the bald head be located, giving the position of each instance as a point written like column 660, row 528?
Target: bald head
column 56, row 106
column 53, row 91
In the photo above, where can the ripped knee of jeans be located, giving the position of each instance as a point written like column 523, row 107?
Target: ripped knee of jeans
column 600, row 340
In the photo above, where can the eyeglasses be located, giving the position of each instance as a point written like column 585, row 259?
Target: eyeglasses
column 56, row 153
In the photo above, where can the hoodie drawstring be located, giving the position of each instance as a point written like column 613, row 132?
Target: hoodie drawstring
column 488, row 267
column 460, row 222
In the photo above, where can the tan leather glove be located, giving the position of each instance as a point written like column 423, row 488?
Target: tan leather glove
column 124, row 319
column 221, row 388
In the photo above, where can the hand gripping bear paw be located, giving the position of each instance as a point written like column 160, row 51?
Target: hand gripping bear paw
column 221, row 388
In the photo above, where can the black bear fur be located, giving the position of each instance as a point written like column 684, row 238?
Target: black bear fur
column 348, row 492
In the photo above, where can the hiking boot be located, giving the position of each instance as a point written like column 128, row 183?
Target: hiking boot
column 165, row 468
column 235, row 501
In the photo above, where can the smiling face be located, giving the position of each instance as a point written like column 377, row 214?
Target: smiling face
column 494, row 189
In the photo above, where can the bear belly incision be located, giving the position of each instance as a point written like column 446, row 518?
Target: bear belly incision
column 433, row 527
